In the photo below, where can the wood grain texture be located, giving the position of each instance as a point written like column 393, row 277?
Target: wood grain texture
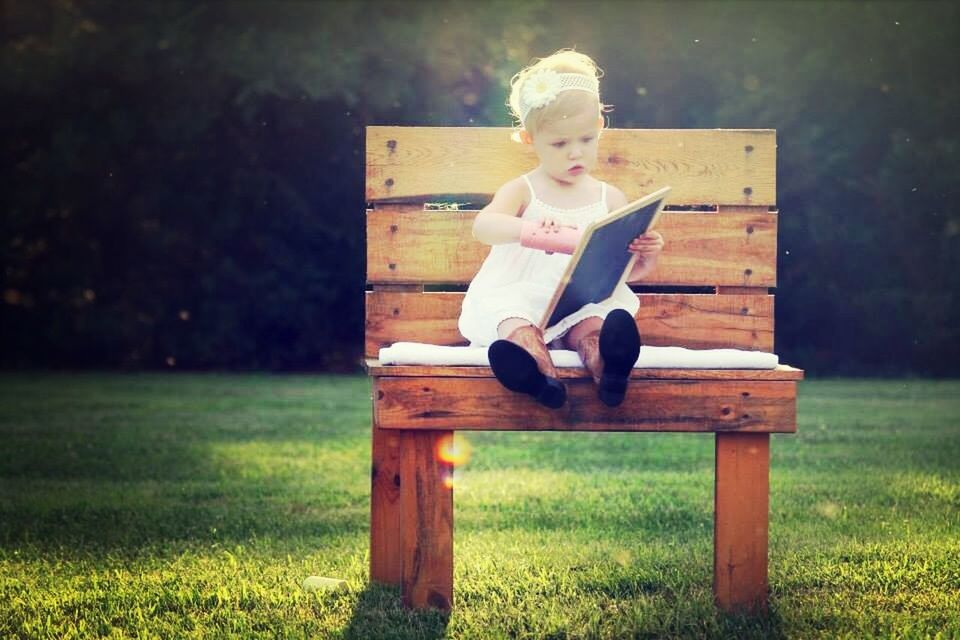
column 481, row 404
column 385, row 558
column 701, row 249
column 741, row 321
column 395, row 317
column 781, row 373
column 703, row 166
column 740, row 291
column 426, row 496
column 741, row 507
column 695, row 321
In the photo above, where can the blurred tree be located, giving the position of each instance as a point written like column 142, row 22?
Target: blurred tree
column 184, row 179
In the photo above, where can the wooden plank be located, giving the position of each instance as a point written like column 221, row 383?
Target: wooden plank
column 385, row 551
column 702, row 249
column 399, row 288
column 696, row 321
column 741, row 507
column 703, row 166
column 424, row 246
column 430, row 318
column 782, row 372
column 740, row 291
column 707, row 321
column 653, row 405
column 744, row 209
column 426, row 496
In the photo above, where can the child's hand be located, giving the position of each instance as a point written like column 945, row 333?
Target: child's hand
column 648, row 245
column 549, row 223
column 552, row 225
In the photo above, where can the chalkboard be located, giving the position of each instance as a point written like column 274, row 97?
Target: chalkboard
column 602, row 261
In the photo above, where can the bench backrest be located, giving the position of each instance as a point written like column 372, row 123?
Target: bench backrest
column 711, row 288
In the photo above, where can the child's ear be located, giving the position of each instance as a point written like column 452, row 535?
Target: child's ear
column 525, row 137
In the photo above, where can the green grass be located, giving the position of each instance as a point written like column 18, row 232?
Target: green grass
column 194, row 505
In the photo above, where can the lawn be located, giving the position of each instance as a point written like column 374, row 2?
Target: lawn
column 152, row 505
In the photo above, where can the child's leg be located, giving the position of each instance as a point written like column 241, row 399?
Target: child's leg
column 521, row 362
column 584, row 338
column 610, row 353
column 583, row 328
column 509, row 325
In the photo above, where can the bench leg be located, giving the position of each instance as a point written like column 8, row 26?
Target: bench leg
column 741, row 504
column 385, row 507
column 426, row 498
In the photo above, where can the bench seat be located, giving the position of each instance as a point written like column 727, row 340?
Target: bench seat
column 782, row 372
column 687, row 400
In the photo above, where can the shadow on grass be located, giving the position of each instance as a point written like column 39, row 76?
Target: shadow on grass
column 686, row 601
column 622, row 587
column 103, row 462
column 764, row 624
column 99, row 462
column 379, row 613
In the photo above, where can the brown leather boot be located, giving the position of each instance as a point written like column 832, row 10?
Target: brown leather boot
column 531, row 339
column 522, row 363
column 609, row 355
column 589, row 350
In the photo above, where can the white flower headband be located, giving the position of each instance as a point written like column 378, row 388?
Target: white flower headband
column 542, row 87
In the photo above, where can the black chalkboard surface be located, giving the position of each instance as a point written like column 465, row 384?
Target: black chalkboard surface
column 601, row 261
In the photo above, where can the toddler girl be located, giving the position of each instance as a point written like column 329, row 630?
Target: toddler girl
column 532, row 223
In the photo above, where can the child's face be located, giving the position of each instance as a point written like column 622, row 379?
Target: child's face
column 567, row 148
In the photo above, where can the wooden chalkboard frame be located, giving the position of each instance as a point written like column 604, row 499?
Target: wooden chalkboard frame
column 591, row 275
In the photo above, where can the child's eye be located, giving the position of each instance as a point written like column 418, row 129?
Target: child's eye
column 588, row 139
column 558, row 144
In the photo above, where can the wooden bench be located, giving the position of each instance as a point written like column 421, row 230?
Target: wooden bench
column 712, row 289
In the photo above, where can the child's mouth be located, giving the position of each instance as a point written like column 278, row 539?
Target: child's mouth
column 575, row 169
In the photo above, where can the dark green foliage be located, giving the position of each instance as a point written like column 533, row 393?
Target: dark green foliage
column 183, row 181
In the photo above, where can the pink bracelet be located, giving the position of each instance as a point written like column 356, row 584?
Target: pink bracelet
column 534, row 236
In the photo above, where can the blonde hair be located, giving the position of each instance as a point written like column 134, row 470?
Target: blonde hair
column 567, row 102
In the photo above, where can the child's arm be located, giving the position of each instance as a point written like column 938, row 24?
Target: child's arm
column 498, row 222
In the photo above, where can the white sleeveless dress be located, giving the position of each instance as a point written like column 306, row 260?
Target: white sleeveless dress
column 519, row 282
